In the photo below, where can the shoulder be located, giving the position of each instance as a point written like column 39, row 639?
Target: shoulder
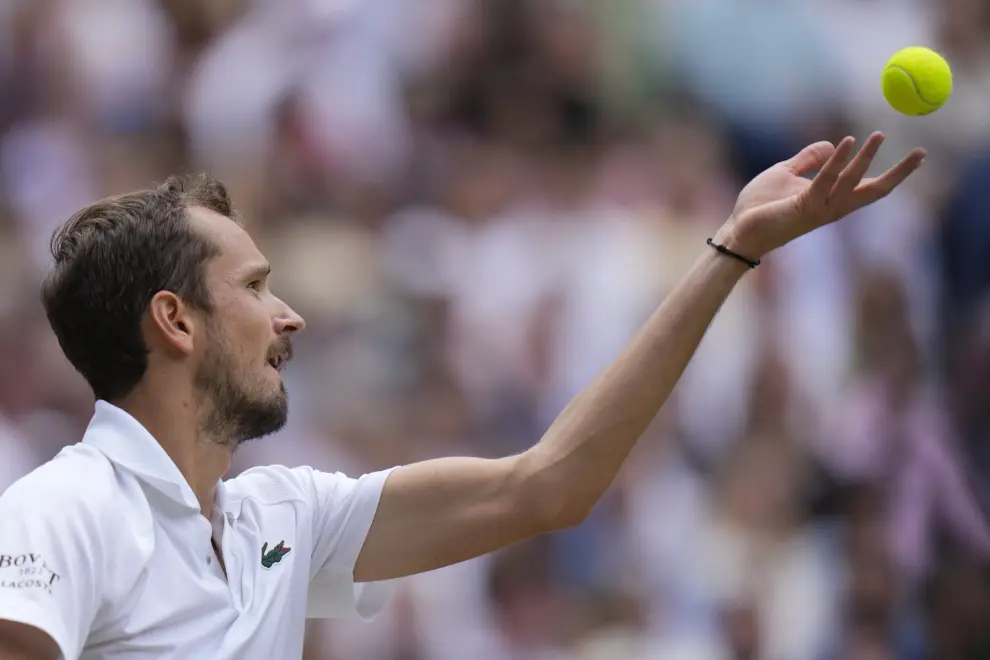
column 63, row 527
column 79, row 483
column 275, row 484
column 269, row 484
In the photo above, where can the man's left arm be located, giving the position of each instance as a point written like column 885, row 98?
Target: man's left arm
column 444, row 511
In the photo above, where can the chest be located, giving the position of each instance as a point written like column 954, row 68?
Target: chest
column 181, row 604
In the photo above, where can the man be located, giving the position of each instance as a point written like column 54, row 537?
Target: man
column 130, row 545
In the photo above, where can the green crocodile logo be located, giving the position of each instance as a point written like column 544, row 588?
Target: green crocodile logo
column 271, row 557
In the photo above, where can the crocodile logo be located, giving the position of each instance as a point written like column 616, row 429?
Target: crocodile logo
column 271, row 557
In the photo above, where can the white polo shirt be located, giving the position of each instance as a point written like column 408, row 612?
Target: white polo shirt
column 105, row 549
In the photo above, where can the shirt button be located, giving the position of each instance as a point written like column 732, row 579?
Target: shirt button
column 209, row 560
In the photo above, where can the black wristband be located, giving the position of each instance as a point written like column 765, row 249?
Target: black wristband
column 735, row 255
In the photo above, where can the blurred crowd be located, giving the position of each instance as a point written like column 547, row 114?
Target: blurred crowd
column 475, row 203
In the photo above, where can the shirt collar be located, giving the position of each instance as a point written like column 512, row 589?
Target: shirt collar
column 223, row 502
column 126, row 443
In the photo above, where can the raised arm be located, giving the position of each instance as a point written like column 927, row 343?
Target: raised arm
column 444, row 511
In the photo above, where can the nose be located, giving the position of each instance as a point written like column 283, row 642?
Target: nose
column 288, row 322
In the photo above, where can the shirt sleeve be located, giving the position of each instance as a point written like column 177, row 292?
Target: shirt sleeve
column 343, row 510
column 51, row 557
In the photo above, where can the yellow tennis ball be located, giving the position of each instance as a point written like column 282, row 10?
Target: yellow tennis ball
column 917, row 81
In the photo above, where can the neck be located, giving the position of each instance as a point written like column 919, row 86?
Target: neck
column 174, row 421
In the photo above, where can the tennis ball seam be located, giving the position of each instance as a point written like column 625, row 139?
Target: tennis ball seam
column 914, row 84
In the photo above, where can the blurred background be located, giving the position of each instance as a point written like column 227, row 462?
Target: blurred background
column 475, row 203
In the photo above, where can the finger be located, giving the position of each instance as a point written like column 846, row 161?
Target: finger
column 826, row 178
column 876, row 189
column 854, row 173
column 810, row 158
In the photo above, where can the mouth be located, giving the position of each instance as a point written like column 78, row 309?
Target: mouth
column 280, row 356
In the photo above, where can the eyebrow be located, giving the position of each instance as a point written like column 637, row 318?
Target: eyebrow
column 259, row 272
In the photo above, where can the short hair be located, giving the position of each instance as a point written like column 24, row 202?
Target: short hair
column 111, row 259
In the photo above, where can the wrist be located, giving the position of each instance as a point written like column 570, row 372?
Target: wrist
column 730, row 236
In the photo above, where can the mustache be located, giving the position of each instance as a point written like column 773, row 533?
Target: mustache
column 283, row 347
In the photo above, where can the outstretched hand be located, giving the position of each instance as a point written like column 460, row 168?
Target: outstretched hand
column 781, row 204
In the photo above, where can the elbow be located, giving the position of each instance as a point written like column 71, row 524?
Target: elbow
column 548, row 503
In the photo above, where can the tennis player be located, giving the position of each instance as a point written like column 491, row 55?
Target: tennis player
column 130, row 544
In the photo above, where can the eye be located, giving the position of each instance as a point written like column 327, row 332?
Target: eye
column 255, row 285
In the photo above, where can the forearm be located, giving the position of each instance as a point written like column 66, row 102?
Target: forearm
column 580, row 455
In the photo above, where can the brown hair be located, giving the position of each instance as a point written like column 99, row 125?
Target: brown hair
column 111, row 258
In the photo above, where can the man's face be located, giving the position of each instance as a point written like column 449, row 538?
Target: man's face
column 246, row 338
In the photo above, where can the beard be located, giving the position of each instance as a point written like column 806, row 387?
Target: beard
column 236, row 412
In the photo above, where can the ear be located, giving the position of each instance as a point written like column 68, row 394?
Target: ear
column 172, row 321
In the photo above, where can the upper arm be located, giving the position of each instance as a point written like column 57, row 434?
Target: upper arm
column 52, row 550
column 340, row 512
column 444, row 511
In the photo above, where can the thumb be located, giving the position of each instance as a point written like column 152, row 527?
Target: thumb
column 810, row 158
